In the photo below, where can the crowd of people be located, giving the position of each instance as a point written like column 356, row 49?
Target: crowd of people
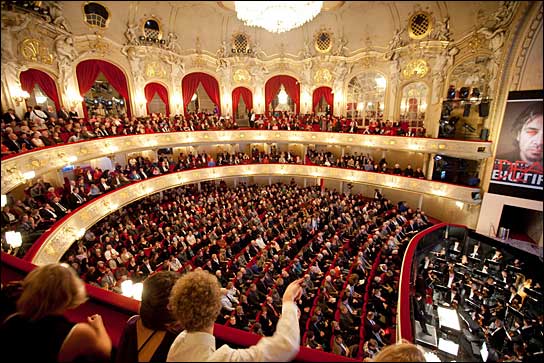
column 494, row 292
column 255, row 241
column 39, row 128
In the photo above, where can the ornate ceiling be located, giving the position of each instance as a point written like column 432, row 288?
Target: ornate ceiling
column 363, row 25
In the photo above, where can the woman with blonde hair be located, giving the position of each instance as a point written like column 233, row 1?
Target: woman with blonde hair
column 39, row 331
column 402, row 351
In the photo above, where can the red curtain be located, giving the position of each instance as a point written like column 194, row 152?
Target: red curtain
column 87, row 72
column 246, row 96
column 273, row 85
column 151, row 89
column 190, row 82
column 31, row 77
column 323, row 92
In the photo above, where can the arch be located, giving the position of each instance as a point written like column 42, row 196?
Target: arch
column 292, row 87
column 153, row 88
column 246, row 95
column 32, row 76
column 87, row 71
column 323, row 92
column 366, row 96
column 190, row 83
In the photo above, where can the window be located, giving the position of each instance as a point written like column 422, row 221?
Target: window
column 152, row 29
column 366, row 98
column 419, row 25
column 323, row 42
column 414, row 104
column 96, row 14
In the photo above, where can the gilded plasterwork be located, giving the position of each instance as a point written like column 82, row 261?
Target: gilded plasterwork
column 323, row 75
column 241, row 75
column 415, row 69
column 35, row 51
column 155, row 70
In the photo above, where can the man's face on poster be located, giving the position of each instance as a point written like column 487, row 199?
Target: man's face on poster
column 530, row 140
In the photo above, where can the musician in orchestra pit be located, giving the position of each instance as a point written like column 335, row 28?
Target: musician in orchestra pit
column 476, row 251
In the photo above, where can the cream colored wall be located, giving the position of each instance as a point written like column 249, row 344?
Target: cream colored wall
column 493, row 204
column 532, row 77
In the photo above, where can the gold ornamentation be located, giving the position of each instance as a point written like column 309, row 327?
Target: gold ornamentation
column 323, row 75
column 476, row 42
column 420, row 25
column 240, row 43
column 99, row 46
column 155, row 70
column 34, row 50
column 368, row 62
column 415, row 69
column 241, row 75
column 199, row 62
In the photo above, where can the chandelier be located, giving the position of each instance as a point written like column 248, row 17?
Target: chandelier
column 282, row 96
column 277, row 16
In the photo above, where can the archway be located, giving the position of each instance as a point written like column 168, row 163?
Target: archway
column 156, row 96
column 323, row 100
column 273, row 87
column 35, row 82
column 89, row 71
column 241, row 96
column 189, row 86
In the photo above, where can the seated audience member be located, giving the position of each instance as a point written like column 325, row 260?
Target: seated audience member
column 48, row 292
column 401, row 352
column 196, row 302
column 340, row 348
column 147, row 337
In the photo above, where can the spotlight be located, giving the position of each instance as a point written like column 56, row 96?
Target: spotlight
column 475, row 93
column 463, row 92
column 141, row 38
column 163, row 41
column 451, row 92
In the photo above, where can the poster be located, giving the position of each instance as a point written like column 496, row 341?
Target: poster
column 517, row 169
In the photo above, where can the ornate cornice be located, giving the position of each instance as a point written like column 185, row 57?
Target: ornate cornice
column 57, row 242
column 48, row 159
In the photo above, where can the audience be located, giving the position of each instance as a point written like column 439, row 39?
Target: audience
column 47, row 293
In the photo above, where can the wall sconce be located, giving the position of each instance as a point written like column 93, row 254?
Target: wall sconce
column 14, row 239
column 132, row 290
column 423, row 107
column 29, row 175
column 19, row 96
column 75, row 100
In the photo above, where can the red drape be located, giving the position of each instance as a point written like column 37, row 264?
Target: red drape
column 151, row 89
column 87, row 72
column 246, row 96
column 31, row 77
column 190, row 82
column 323, row 92
column 272, row 87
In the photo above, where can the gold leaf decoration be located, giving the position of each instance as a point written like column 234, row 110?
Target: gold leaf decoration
column 241, row 75
column 415, row 69
column 33, row 50
column 155, row 70
column 323, row 75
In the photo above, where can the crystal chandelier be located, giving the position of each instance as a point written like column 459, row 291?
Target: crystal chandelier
column 282, row 96
column 277, row 16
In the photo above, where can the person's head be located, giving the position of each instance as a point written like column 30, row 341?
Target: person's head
column 196, row 300
column 50, row 289
column 528, row 131
column 400, row 352
column 154, row 310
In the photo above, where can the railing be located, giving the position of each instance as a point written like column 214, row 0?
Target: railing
column 116, row 309
column 45, row 159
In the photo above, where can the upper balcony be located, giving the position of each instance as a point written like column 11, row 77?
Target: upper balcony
column 17, row 169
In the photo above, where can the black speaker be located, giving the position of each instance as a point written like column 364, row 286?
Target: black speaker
column 483, row 109
column 463, row 92
column 484, row 135
column 451, row 92
column 466, row 111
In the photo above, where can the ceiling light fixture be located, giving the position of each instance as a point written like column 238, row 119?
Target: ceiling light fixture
column 277, row 16
column 282, row 96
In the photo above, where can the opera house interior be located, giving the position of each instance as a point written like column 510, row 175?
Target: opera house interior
column 353, row 177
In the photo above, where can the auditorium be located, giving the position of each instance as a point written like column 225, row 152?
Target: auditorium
column 312, row 181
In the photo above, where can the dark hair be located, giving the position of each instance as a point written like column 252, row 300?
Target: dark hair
column 154, row 310
column 534, row 108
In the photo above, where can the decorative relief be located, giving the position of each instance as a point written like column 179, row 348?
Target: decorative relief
column 241, row 75
column 35, row 51
column 419, row 25
column 476, row 42
column 155, row 70
column 323, row 75
column 368, row 62
column 415, row 69
column 323, row 41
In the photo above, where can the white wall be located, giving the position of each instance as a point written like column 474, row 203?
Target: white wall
column 491, row 211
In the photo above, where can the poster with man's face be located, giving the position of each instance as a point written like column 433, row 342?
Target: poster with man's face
column 517, row 170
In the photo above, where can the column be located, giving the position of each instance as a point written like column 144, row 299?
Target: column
column 343, row 151
column 305, row 183
column 235, row 182
column 430, row 168
column 420, row 201
column 304, row 151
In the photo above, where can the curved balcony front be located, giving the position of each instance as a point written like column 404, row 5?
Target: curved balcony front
column 52, row 158
column 52, row 245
